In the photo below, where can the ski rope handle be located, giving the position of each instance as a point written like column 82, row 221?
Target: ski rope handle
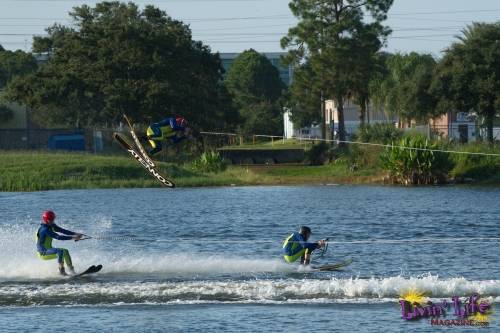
column 323, row 250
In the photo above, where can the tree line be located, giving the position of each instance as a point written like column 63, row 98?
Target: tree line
column 337, row 55
column 117, row 58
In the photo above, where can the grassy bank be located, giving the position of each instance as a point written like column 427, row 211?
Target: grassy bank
column 275, row 144
column 35, row 171
column 483, row 170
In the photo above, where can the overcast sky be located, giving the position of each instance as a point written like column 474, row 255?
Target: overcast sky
column 235, row 25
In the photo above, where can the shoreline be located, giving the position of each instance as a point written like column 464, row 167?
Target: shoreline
column 41, row 171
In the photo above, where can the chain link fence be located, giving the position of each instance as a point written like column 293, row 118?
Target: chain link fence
column 89, row 140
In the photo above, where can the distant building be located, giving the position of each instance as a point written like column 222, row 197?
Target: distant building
column 286, row 72
column 351, row 116
column 41, row 58
column 460, row 126
column 351, row 120
column 227, row 59
column 288, row 128
column 290, row 131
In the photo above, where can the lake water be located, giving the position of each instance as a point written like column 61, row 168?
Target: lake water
column 210, row 259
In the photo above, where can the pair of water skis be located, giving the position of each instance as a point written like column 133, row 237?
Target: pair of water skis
column 138, row 152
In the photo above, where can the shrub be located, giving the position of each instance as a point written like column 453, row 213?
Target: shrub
column 416, row 166
column 318, row 154
column 476, row 166
column 210, row 162
column 379, row 133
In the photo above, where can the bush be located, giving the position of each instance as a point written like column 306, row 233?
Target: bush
column 358, row 156
column 415, row 166
column 379, row 133
column 477, row 167
column 210, row 162
column 318, row 154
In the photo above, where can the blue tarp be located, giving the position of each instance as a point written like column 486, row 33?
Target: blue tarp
column 72, row 141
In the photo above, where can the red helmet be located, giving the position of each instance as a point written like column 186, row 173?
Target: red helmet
column 48, row 216
column 181, row 121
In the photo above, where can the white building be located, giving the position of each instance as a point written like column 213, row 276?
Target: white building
column 287, row 125
column 289, row 130
column 351, row 116
column 351, row 120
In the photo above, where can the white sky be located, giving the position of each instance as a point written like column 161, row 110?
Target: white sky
column 236, row 25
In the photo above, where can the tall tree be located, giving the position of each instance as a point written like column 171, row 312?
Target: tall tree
column 334, row 38
column 404, row 89
column 257, row 90
column 305, row 97
column 15, row 63
column 12, row 64
column 374, row 72
column 468, row 77
column 118, row 59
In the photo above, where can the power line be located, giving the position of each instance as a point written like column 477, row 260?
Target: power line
column 282, row 34
column 430, row 19
column 276, row 16
column 148, row 1
column 444, row 28
column 266, row 17
column 447, row 12
column 246, row 35
column 16, row 34
column 407, row 16
column 36, row 18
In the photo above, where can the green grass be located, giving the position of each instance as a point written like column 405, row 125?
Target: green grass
column 276, row 144
column 332, row 173
column 481, row 169
column 32, row 171
column 36, row 171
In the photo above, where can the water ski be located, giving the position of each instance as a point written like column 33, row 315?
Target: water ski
column 138, row 144
column 140, row 158
column 332, row 267
column 91, row 270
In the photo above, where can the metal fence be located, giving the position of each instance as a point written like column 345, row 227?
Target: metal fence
column 100, row 140
column 95, row 140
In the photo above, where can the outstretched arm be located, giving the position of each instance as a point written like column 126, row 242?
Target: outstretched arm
column 62, row 231
column 75, row 235
column 54, row 235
